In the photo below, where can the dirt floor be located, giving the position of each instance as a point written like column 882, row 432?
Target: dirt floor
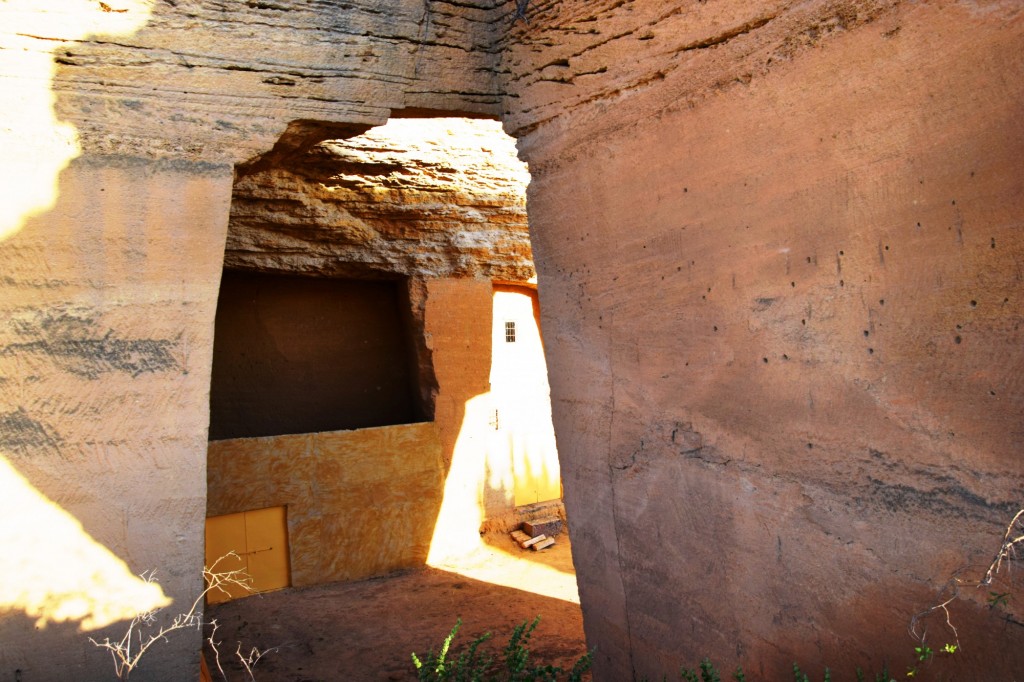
column 367, row 630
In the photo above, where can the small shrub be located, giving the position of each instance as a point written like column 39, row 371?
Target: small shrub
column 474, row 666
column 708, row 673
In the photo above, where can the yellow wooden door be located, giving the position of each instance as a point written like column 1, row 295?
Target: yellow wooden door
column 258, row 540
column 266, row 533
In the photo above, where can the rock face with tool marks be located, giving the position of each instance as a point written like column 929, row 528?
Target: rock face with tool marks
column 778, row 247
column 222, row 80
column 123, row 126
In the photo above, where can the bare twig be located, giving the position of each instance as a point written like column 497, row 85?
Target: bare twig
column 216, row 648
column 1008, row 548
column 250, row 661
column 127, row 651
column 1012, row 538
column 945, row 609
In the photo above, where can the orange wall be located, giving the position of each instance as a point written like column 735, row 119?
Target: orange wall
column 458, row 329
column 369, row 501
column 366, row 502
column 360, row 503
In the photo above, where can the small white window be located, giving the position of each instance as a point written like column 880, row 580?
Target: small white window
column 510, row 332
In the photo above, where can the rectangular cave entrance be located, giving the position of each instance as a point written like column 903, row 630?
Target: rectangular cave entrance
column 313, row 389
column 302, row 355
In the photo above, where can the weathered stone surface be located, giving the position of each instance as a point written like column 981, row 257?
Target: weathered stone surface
column 110, row 268
column 105, row 348
column 727, row 196
column 222, row 79
column 598, row 66
column 422, row 199
column 417, row 198
column 778, row 248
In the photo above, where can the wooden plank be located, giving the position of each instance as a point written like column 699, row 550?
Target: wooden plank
column 533, row 541
column 543, row 544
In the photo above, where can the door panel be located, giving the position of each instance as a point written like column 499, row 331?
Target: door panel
column 266, row 532
column 224, row 535
column 519, row 385
column 259, row 541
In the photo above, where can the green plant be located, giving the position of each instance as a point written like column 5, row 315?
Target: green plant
column 996, row 599
column 469, row 666
column 879, row 677
column 801, row 676
column 708, row 672
column 581, row 666
column 474, row 666
column 516, row 655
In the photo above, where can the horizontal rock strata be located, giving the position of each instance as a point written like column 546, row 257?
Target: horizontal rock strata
column 418, row 198
column 221, row 80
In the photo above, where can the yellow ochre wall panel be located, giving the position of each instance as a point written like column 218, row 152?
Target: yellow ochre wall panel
column 360, row 503
column 255, row 542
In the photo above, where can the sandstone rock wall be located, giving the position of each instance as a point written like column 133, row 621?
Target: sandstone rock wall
column 417, row 198
column 111, row 265
column 425, row 200
column 105, row 347
column 785, row 363
column 779, row 256
column 223, row 79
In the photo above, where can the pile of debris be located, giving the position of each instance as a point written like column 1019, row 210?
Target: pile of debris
column 537, row 535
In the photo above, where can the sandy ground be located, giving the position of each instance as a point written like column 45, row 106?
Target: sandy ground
column 367, row 630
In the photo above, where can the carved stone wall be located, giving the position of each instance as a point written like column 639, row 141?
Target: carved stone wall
column 779, row 249
column 111, row 264
column 105, row 349
column 418, row 198
column 222, row 79
column 779, row 256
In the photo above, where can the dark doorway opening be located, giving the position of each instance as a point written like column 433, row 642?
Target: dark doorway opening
column 301, row 355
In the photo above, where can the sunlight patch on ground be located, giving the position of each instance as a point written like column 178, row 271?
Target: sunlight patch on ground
column 493, row 566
